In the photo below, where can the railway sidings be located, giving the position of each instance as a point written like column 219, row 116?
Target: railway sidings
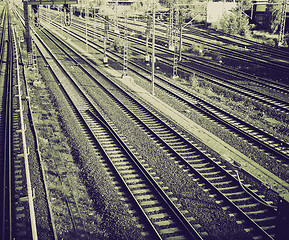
column 109, row 160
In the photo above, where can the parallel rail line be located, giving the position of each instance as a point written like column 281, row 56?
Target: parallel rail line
column 204, row 169
column 5, row 124
column 251, row 58
column 225, row 72
column 165, row 220
column 226, row 38
column 17, row 210
column 280, row 105
column 278, row 148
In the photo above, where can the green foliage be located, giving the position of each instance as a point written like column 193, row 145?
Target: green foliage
column 235, row 23
column 197, row 49
column 275, row 12
column 216, row 56
column 194, row 81
column 118, row 46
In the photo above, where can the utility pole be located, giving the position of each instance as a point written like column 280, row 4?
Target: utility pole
column 153, row 48
column 86, row 19
column 171, row 25
column 125, row 50
column 116, row 30
column 106, row 28
column 175, row 43
column 27, row 28
column 148, row 33
column 283, row 22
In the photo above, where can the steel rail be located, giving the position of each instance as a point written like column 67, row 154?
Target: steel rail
column 237, row 74
column 229, row 52
column 173, row 208
column 6, row 159
column 264, row 82
column 270, row 143
column 231, row 39
column 25, row 148
column 207, row 108
column 179, row 157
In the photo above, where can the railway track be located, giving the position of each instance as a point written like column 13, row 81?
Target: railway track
column 160, row 215
column 272, row 145
column 17, row 210
column 221, row 73
column 238, row 75
column 227, row 78
column 225, row 186
column 256, row 47
column 257, row 58
column 276, row 148
column 225, row 38
column 5, row 130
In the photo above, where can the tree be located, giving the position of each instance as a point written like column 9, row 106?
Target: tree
column 274, row 15
column 235, row 23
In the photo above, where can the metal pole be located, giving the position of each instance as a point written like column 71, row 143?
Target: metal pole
column 86, row 18
column 115, row 15
column 106, row 26
column 180, row 43
column 148, row 31
column 94, row 29
column 27, row 28
column 171, row 25
column 282, row 24
column 125, row 49
column 153, row 49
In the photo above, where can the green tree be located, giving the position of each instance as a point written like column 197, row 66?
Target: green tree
column 274, row 15
column 235, row 23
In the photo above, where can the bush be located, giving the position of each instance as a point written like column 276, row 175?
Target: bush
column 216, row 56
column 118, row 45
column 234, row 23
column 197, row 49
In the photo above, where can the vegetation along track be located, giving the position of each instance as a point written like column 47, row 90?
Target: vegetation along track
column 186, row 67
column 275, row 147
column 225, row 38
column 161, row 218
column 269, row 101
column 199, row 62
column 190, row 158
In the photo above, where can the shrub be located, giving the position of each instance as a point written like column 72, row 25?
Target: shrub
column 235, row 23
column 118, row 45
